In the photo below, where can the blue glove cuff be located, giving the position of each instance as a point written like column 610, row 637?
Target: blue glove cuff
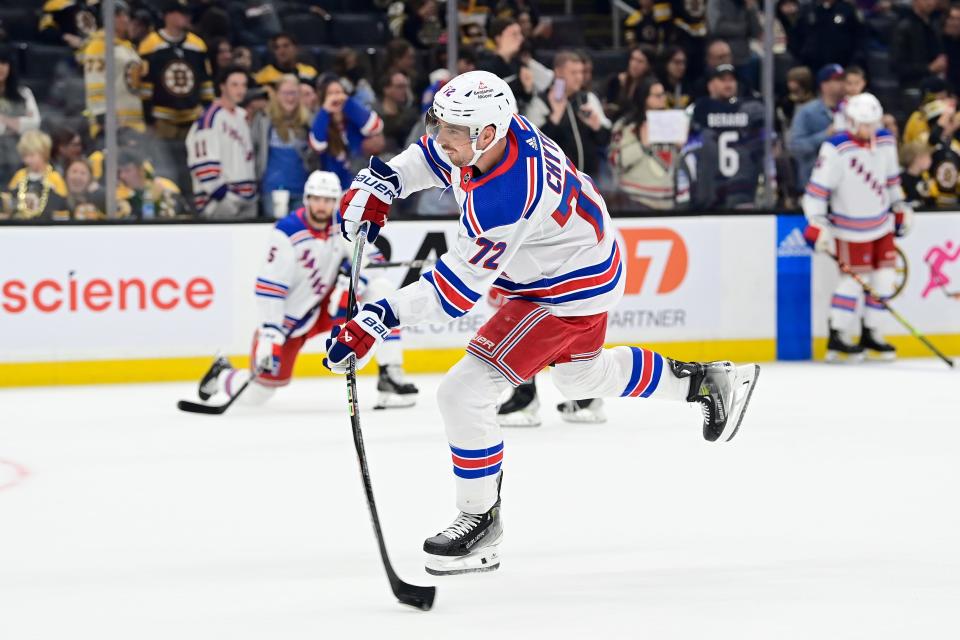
column 382, row 309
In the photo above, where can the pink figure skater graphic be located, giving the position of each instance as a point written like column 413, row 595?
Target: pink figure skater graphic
column 936, row 258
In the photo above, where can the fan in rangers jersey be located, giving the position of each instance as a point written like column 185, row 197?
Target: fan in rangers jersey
column 858, row 175
column 534, row 229
column 301, row 293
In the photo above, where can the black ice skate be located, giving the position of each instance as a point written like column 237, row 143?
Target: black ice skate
column 590, row 411
column 471, row 544
column 522, row 407
column 395, row 391
column 208, row 383
column 839, row 349
column 875, row 346
column 723, row 391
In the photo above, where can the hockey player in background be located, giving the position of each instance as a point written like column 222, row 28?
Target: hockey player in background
column 536, row 230
column 857, row 174
column 301, row 293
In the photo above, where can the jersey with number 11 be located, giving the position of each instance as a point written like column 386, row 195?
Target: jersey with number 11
column 532, row 227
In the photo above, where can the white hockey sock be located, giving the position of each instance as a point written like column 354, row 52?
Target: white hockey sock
column 621, row 371
column 883, row 282
column 391, row 351
column 467, row 398
column 843, row 305
column 230, row 381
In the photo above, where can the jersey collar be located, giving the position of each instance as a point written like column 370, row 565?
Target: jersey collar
column 467, row 183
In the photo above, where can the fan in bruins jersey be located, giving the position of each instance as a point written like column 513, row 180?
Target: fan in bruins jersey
column 37, row 191
column 177, row 81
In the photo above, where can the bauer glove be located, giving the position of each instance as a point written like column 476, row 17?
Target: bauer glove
column 360, row 337
column 369, row 199
column 266, row 355
column 819, row 238
column 902, row 218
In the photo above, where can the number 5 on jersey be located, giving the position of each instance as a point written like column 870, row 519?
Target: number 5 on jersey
column 495, row 251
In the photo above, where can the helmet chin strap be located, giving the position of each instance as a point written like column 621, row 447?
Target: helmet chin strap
column 476, row 152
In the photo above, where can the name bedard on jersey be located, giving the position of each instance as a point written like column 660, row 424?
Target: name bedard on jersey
column 532, row 227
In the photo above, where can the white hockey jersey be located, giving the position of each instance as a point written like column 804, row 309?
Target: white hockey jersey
column 532, row 227
column 220, row 155
column 860, row 182
column 299, row 272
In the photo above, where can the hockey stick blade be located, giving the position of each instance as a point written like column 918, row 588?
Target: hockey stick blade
column 408, row 594
column 210, row 409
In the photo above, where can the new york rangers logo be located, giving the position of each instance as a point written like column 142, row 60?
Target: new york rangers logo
column 449, row 91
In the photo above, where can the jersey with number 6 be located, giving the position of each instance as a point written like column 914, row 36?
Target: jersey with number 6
column 532, row 227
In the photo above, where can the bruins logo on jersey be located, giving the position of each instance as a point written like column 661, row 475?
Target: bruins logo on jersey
column 946, row 176
column 178, row 78
column 86, row 22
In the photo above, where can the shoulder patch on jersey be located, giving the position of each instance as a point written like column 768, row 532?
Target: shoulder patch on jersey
column 291, row 224
column 193, row 41
column 434, row 159
column 839, row 138
column 206, row 118
column 152, row 43
column 504, row 194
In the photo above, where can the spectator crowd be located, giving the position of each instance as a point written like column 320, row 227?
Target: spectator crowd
column 223, row 110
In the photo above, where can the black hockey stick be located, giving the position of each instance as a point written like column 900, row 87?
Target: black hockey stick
column 844, row 267
column 211, row 409
column 410, row 264
column 409, row 594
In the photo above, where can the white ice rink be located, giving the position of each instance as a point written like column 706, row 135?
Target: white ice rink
column 833, row 514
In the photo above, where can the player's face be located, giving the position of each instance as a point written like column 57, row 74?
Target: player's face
column 865, row 131
column 453, row 139
column 320, row 209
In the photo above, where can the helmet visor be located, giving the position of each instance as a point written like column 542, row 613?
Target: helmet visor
column 452, row 134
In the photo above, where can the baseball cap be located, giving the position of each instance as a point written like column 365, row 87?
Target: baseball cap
column 719, row 70
column 829, row 72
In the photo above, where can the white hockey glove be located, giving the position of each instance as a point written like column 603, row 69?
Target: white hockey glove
column 369, row 199
column 360, row 337
column 266, row 358
column 902, row 218
column 819, row 238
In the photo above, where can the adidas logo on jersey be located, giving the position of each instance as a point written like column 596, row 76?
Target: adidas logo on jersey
column 794, row 245
column 533, row 144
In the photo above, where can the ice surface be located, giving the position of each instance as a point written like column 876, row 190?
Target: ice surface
column 833, row 514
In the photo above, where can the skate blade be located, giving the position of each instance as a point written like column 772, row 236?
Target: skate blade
column 518, row 419
column 838, row 357
column 481, row 561
column 585, row 416
column 881, row 356
column 744, row 382
column 387, row 400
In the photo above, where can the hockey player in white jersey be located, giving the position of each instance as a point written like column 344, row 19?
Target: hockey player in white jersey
column 220, row 153
column 536, row 230
column 301, row 293
column 858, row 175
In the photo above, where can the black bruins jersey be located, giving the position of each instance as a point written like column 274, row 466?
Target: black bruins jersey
column 945, row 170
column 177, row 81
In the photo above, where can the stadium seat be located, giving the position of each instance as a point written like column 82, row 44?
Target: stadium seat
column 42, row 59
column 356, row 29
column 606, row 63
column 18, row 22
column 568, row 31
column 307, row 28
